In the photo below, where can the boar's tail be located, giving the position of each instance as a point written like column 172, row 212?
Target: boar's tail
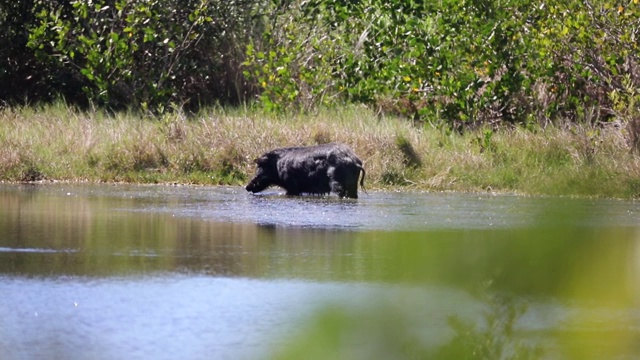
column 362, row 179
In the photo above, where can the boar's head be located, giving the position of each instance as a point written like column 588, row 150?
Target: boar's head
column 266, row 173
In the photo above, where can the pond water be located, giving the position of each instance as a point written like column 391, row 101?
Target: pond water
column 165, row 272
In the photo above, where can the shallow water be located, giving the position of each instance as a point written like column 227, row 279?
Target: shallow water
column 124, row 271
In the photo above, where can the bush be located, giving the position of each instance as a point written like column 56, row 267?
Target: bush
column 294, row 62
column 463, row 62
column 147, row 54
column 21, row 76
column 456, row 63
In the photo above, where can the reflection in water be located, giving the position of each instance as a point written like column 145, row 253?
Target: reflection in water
column 120, row 269
column 81, row 237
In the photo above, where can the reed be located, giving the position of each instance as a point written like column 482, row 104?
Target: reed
column 217, row 146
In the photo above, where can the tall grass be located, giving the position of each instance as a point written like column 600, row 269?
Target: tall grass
column 217, row 146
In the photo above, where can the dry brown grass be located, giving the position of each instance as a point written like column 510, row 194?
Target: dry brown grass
column 218, row 147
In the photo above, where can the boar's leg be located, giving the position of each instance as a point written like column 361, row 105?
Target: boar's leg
column 334, row 183
column 337, row 188
column 352, row 190
column 350, row 181
column 292, row 189
column 350, row 185
column 343, row 183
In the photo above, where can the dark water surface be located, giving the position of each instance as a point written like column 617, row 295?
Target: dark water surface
column 165, row 272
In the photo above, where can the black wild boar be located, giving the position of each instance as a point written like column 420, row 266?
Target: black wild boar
column 318, row 169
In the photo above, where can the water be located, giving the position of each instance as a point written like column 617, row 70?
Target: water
column 164, row 272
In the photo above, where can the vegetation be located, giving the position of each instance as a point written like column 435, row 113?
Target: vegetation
column 503, row 276
column 454, row 63
column 465, row 95
column 218, row 147
column 471, row 95
column 344, row 333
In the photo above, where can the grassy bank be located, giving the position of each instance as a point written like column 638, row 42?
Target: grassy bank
column 217, row 147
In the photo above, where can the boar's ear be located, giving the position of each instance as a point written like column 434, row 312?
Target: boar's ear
column 262, row 160
column 266, row 159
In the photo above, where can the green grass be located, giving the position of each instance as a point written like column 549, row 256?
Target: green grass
column 217, row 147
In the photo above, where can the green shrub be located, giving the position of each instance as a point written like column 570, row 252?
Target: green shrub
column 148, row 54
column 293, row 63
column 453, row 63
column 458, row 63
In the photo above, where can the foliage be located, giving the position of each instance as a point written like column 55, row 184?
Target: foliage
column 592, row 48
column 146, row 54
column 293, row 63
column 385, row 331
column 493, row 341
column 461, row 62
column 18, row 66
column 457, row 63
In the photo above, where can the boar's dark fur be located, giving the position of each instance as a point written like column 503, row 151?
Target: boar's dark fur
column 318, row 169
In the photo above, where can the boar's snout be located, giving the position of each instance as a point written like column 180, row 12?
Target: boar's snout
column 251, row 186
column 257, row 184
